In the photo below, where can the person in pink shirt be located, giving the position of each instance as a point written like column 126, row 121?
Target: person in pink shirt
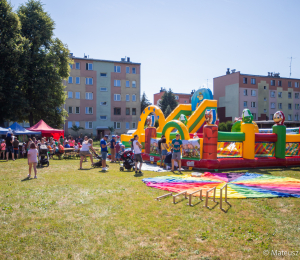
column 32, row 159
column 72, row 142
column 2, row 149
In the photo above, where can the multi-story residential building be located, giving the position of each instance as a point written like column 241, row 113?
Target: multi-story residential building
column 263, row 95
column 102, row 94
column 180, row 97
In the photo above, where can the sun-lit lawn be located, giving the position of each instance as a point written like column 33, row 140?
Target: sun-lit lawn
column 71, row 214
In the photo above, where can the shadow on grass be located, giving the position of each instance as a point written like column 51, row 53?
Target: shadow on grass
column 227, row 208
column 138, row 175
column 27, row 179
column 84, row 169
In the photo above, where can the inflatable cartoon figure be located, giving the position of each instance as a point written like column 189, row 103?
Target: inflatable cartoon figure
column 210, row 116
column 247, row 116
column 279, row 118
column 200, row 97
column 183, row 119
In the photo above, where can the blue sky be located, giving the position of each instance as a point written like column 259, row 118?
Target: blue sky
column 182, row 44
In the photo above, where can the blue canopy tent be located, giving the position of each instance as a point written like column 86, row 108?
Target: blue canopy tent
column 3, row 131
column 20, row 130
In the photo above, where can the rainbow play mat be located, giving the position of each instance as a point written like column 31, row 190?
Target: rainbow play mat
column 240, row 185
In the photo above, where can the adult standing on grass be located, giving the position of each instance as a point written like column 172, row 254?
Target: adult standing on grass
column 61, row 139
column 176, row 156
column 87, row 144
column 2, row 148
column 32, row 159
column 104, row 152
column 112, row 149
column 164, row 150
column 159, row 148
column 137, row 154
column 9, row 147
column 16, row 147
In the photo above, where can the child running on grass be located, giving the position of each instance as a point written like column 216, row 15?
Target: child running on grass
column 32, row 159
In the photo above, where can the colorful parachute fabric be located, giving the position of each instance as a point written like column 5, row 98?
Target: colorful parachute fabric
column 240, row 185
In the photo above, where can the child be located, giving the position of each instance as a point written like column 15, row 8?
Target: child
column 117, row 148
column 23, row 150
column 32, row 159
column 76, row 147
column 164, row 150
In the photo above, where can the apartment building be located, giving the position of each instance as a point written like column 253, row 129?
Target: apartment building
column 181, row 98
column 102, row 94
column 263, row 95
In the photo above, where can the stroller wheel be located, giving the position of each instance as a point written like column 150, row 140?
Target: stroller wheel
column 122, row 169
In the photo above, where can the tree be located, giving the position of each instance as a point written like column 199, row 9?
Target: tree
column 222, row 127
column 46, row 64
column 168, row 99
column 11, row 48
column 76, row 128
column 228, row 126
column 111, row 129
column 168, row 111
column 144, row 102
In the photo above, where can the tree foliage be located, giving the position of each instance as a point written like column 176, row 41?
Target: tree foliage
column 225, row 127
column 168, row 99
column 168, row 111
column 40, row 62
column 76, row 128
column 144, row 102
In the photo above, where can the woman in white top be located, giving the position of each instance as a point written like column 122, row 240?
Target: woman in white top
column 87, row 144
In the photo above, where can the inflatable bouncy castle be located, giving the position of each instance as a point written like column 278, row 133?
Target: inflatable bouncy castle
column 204, row 147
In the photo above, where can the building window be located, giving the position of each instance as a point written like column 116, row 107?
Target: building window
column 127, row 111
column 272, row 82
column 127, row 84
column 297, row 106
column 103, row 103
column 127, row 70
column 127, row 125
column 69, row 124
column 253, row 81
column 89, row 95
column 117, row 69
column 70, row 81
column 103, row 89
column 117, row 111
column 289, row 106
column 297, row 95
column 289, row 94
column 89, row 110
column 117, row 97
column 133, row 111
column 103, row 117
column 71, row 66
column 290, row 84
column 117, row 83
column 133, row 125
column 253, row 93
column 89, row 66
column 296, row 84
column 272, row 93
column 279, row 83
column 70, row 94
column 133, row 71
column 70, row 110
column 245, row 80
column 265, row 110
column 127, row 97
column 265, row 87
column 77, row 95
column 77, row 124
column 176, row 97
column 89, row 81
column 77, row 80
column 77, row 110
column 245, row 104
column 265, row 99
column 296, row 117
column 280, row 94
column 133, row 97
column 253, row 104
column 279, row 105
column 289, row 117
column 133, row 84
column 273, row 105
column 77, row 65
column 271, row 116
column 245, row 92
column 254, row 116
column 88, row 125
column 103, row 75
column 117, row 125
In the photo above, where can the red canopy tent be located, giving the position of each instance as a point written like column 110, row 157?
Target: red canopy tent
column 47, row 130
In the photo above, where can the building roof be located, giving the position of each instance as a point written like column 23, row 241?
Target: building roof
column 124, row 62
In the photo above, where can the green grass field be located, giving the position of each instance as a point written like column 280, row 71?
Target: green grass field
column 71, row 214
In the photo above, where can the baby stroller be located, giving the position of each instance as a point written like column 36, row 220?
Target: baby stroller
column 98, row 164
column 43, row 152
column 128, row 160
